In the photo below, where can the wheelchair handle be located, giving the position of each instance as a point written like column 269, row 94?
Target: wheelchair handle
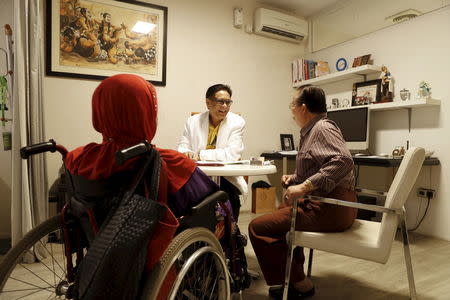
column 27, row 151
column 139, row 149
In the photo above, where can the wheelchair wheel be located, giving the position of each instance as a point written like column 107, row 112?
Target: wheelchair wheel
column 193, row 267
column 22, row 276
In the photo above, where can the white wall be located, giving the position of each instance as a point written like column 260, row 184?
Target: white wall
column 348, row 19
column 203, row 49
column 413, row 51
column 6, row 13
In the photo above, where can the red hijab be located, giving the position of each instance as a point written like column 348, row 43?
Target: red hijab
column 124, row 111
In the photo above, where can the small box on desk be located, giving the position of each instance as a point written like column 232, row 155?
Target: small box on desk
column 263, row 200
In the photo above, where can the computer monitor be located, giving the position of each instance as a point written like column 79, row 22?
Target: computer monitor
column 354, row 125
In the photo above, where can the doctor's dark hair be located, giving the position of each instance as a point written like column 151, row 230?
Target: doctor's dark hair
column 212, row 90
column 313, row 97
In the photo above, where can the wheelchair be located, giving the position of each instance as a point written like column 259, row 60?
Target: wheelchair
column 205, row 259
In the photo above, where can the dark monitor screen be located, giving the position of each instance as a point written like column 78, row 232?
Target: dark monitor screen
column 352, row 122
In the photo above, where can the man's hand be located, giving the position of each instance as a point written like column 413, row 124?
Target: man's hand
column 286, row 180
column 191, row 155
column 294, row 192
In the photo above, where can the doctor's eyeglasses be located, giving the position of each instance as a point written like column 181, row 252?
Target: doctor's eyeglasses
column 222, row 102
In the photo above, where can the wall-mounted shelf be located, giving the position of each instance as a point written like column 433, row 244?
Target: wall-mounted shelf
column 416, row 103
column 408, row 104
column 342, row 75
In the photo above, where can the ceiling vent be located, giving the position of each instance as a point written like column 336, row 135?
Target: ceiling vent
column 404, row 16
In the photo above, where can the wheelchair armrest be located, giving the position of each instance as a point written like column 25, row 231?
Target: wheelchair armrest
column 370, row 207
column 204, row 214
column 219, row 196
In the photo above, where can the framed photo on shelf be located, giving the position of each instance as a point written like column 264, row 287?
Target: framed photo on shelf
column 287, row 142
column 365, row 59
column 366, row 92
column 361, row 60
column 356, row 62
column 95, row 39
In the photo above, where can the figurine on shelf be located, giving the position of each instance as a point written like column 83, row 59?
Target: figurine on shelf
column 405, row 94
column 386, row 85
column 424, row 90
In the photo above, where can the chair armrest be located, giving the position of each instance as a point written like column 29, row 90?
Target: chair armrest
column 370, row 207
column 371, row 192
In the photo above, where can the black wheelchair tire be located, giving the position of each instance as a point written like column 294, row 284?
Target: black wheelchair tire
column 181, row 242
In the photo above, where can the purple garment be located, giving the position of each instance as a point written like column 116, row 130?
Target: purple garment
column 197, row 188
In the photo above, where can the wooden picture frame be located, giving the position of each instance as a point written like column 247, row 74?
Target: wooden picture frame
column 287, row 142
column 361, row 60
column 356, row 62
column 366, row 92
column 365, row 59
column 95, row 39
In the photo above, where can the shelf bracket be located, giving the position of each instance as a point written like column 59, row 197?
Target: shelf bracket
column 409, row 118
column 363, row 75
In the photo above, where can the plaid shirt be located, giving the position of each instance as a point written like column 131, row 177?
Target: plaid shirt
column 323, row 157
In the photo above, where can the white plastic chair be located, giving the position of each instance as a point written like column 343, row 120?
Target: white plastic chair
column 365, row 239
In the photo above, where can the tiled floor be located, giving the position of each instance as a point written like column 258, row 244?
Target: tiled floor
column 340, row 277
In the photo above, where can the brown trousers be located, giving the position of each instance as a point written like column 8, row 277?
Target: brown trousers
column 268, row 233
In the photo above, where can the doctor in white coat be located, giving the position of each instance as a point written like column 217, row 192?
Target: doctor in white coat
column 217, row 135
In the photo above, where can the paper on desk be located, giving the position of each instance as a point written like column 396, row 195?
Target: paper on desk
column 292, row 152
column 221, row 163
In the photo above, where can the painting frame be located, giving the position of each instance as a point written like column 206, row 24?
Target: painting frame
column 287, row 142
column 356, row 62
column 361, row 60
column 151, row 64
column 371, row 87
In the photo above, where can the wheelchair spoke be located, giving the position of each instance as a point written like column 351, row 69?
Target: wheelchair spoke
column 34, row 267
column 213, row 288
column 202, row 280
column 30, row 289
column 47, row 267
column 31, row 294
column 53, row 265
column 53, row 258
column 30, row 284
column 35, row 274
column 209, row 280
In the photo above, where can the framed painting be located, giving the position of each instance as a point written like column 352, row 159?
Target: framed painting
column 95, row 39
column 366, row 92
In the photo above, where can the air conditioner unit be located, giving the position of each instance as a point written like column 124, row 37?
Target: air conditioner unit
column 279, row 26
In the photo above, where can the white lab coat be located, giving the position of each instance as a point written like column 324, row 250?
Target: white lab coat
column 229, row 145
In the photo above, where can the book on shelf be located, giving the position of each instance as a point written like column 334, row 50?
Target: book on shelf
column 322, row 68
column 304, row 69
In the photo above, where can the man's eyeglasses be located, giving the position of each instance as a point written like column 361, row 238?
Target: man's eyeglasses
column 222, row 102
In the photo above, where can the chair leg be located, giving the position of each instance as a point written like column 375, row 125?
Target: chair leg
column 290, row 250
column 409, row 268
column 310, row 260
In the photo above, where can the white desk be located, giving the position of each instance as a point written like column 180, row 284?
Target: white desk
column 238, row 170
column 215, row 172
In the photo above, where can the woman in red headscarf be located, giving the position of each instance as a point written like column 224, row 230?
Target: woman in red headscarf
column 124, row 111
